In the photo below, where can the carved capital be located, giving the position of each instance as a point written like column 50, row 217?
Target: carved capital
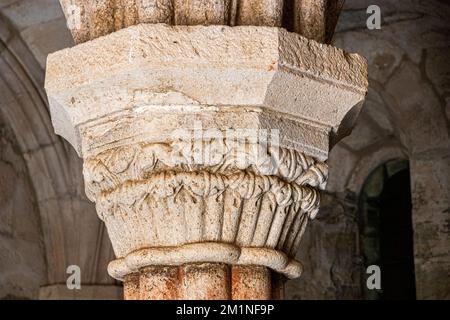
column 163, row 208
column 204, row 144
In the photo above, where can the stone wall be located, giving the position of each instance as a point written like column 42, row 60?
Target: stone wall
column 22, row 260
column 329, row 254
column 406, row 116
column 73, row 235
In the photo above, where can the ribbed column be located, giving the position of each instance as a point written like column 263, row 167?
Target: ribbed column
column 314, row 19
column 203, row 281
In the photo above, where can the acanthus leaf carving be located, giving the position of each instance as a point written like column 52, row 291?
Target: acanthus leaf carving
column 111, row 168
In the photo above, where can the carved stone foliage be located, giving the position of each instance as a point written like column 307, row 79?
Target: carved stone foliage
column 90, row 19
column 111, row 168
column 170, row 210
column 163, row 205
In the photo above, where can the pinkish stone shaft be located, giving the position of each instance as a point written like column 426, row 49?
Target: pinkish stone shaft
column 205, row 281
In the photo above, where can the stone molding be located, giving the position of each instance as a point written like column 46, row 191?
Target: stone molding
column 210, row 252
column 160, row 72
column 173, row 209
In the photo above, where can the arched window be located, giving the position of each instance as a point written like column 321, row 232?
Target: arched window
column 386, row 235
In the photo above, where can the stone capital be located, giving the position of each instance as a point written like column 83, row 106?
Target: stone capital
column 204, row 144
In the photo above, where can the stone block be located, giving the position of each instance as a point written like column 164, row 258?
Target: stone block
column 159, row 69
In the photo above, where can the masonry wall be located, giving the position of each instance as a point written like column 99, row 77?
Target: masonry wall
column 72, row 233
column 406, row 116
column 22, row 261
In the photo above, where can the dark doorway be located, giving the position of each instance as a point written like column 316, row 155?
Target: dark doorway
column 386, row 233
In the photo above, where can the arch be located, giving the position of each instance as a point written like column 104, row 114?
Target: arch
column 72, row 232
column 23, row 106
column 371, row 160
column 386, row 231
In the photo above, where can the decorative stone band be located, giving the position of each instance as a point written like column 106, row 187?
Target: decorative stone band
column 163, row 205
column 205, row 252
column 262, row 218
column 110, row 169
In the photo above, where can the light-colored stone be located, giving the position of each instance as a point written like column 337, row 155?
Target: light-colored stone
column 316, row 19
column 160, row 69
column 413, row 30
column 164, row 201
column 88, row 20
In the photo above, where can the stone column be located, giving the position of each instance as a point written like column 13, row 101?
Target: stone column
column 204, row 149
column 314, row 19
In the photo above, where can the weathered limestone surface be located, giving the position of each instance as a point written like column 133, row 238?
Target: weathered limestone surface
column 158, row 62
column 172, row 176
column 314, row 19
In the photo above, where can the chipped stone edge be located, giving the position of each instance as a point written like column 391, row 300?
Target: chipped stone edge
column 285, row 46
